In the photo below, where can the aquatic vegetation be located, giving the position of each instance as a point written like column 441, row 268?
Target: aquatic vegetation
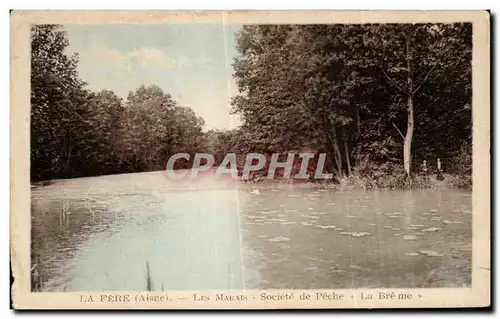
column 326, row 226
column 445, row 221
column 356, row 234
column 413, row 254
column 149, row 282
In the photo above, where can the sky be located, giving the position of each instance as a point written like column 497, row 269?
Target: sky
column 192, row 62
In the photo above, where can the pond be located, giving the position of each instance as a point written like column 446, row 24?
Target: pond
column 119, row 232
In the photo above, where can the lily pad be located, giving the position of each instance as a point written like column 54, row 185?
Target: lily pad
column 410, row 237
column 360, row 234
column 327, row 226
column 356, row 267
column 279, row 238
column 413, row 254
column 445, row 221
column 356, row 234
column 431, row 253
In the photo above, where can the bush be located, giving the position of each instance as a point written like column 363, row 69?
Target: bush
column 462, row 166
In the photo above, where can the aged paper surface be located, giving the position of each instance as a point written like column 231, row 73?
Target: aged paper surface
column 99, row 224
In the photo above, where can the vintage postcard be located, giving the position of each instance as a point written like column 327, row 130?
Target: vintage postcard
column 250, row 160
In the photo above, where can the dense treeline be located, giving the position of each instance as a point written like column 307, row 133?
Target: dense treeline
column 380, row 99
column 76, row 132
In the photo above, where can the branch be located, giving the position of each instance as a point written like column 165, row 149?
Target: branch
column 425, row 78
column 392, row 81
column 398, row 130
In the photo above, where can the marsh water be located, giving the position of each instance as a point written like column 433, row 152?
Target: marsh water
column 114, row 232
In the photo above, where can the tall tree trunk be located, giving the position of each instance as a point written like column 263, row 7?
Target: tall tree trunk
column 410, row 110
column 346, row 151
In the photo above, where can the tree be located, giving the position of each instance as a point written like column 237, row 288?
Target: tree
column 57, row 102
column 413, row 56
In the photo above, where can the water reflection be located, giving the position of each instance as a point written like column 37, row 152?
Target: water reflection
column 100, row 233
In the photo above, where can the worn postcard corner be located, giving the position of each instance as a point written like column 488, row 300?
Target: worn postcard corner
column 250, row 160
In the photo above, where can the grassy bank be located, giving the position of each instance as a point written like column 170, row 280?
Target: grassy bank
column 380, row 178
